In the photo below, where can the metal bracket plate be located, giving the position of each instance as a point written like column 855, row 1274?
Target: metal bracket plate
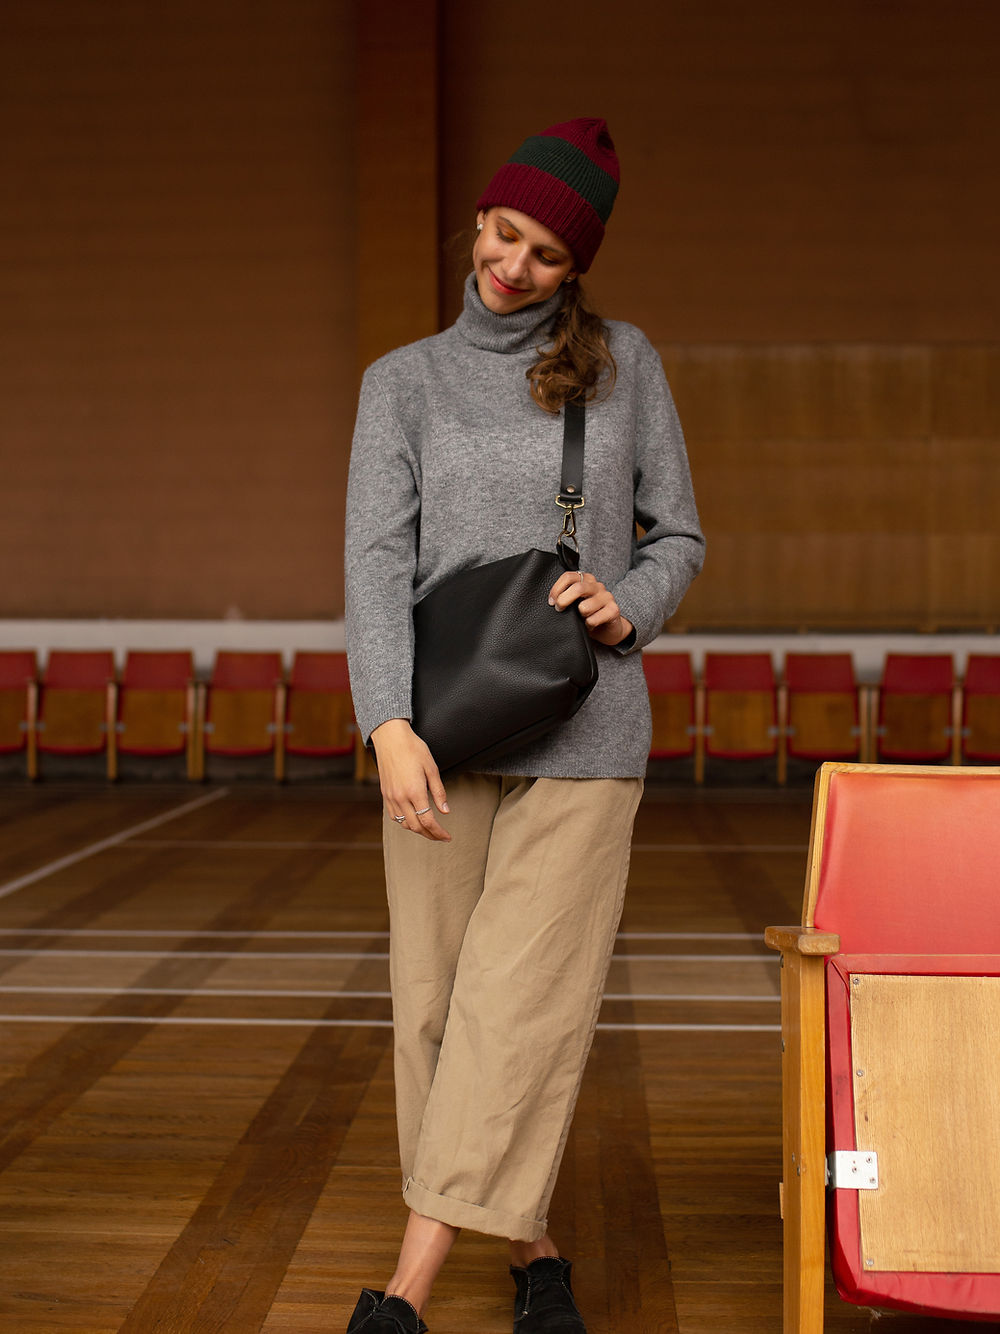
column 848, row 1170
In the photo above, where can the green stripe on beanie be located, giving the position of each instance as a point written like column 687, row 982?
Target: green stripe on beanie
column 571, row 165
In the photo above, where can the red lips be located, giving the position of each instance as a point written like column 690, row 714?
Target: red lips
column 502, row 287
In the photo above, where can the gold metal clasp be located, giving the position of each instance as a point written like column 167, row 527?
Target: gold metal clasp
column 569, row 524
column 569, row 502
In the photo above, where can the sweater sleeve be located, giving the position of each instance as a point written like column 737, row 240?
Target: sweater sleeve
column 671, row 549
column 380, row 558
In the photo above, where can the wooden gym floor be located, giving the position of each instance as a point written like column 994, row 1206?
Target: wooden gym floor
column 196, row 1121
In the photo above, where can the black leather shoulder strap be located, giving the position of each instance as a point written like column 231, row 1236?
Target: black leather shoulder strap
column 571, row 486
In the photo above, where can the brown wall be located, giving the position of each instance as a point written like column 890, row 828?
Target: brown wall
column 219, row 211
column 178, row 307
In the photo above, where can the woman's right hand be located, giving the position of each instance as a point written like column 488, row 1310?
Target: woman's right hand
column 411, row 783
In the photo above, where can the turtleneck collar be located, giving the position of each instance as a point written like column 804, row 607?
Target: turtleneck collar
column 520, row 331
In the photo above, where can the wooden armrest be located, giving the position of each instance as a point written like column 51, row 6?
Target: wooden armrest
column 802, row 940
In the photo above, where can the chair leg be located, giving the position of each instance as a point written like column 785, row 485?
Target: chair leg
column 280, row 714
column 804, row 1141
column 956, row 723
column 32, row 740
column 782, row 734
column 191, row 735
column 199, row 732
column 699, row 733
column 111, row 724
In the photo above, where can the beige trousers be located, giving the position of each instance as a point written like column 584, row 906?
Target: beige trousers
column 500, row 945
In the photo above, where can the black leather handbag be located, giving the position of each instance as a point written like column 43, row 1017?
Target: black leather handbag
column 495, row 667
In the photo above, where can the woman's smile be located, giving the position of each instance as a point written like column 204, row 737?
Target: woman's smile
column 503, row 288
column 518, row 262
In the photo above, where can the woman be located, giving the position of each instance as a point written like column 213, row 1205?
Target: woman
column 505, row 891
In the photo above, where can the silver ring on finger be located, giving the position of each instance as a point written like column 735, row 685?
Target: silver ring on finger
column 400, row 819
column 423, row 812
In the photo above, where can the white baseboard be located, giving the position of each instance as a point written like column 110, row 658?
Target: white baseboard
column 204, row 638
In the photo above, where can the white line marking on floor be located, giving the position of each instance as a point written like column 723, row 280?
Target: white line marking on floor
column 690, row 1028
column 255, row 845
column 200, row 1021
column 104, row 844
column 720, row 847
column 651, row 996
column 685, row 997
column 332, row 955
column 214, row 992
column 161, row 933
column 280, row 845
column 691, row 935
column 328, row 955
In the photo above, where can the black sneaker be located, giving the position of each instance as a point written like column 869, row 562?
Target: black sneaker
column 544, row 1302
column 376, row 1313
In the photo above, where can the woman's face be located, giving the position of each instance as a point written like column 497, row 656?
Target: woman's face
column 518, row 262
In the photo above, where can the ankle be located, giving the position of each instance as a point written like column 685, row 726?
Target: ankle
column 416, row 1295
column 523, row 1252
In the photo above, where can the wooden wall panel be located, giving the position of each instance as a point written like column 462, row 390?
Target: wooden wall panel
column 843, row 486
column 178, row 274
column 213, row 215
column 790, row 172
column 397, row 204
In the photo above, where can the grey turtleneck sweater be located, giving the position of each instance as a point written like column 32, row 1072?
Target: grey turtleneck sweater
column 454, row 464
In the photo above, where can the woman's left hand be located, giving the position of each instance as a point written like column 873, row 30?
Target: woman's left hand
column 599, row 610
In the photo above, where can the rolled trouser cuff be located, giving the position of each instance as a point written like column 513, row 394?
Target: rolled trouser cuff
column 459, row 1213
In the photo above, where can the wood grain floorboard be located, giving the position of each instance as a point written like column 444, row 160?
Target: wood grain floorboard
column 226, row 1267
column 164, row 1176
column 60, row 1074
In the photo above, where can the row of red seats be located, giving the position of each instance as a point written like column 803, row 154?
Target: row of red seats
column 156, row 707
column 736, row 710
column 920, row 712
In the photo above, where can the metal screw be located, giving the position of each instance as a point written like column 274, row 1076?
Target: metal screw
column 860, row 1074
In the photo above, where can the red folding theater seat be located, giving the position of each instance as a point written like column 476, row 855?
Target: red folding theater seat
column 741, row 720
column 18, row 704
column 243, row 705
column 157, row 707
column 981, row 708
column 916, row 708
column 891, row 1001
column 671, row 686
column 76, row 711
column 319, row 712
column 823, row 710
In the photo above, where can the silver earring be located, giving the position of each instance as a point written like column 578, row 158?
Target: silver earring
column 479, row 226
column 571, row 278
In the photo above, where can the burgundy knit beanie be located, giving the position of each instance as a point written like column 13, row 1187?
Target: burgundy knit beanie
column 566, row 178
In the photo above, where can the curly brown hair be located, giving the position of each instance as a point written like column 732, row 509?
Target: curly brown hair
column 577, row 363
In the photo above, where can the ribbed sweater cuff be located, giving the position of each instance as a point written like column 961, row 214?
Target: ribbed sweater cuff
column 381, row 711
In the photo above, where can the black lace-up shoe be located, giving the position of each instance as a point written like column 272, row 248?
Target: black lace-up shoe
column 376, row 1313
column 544, row 1302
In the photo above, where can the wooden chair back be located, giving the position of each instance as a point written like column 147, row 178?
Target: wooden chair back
column 916, row 708
column 670, row 681
column 740, row 706
column 895, row 976
column 823, row 714
column 319, row 715
column 905, row 859
column 981, row 708
column 245, row 703
column 156, row 705
column 18, row 698
column 76, row 709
